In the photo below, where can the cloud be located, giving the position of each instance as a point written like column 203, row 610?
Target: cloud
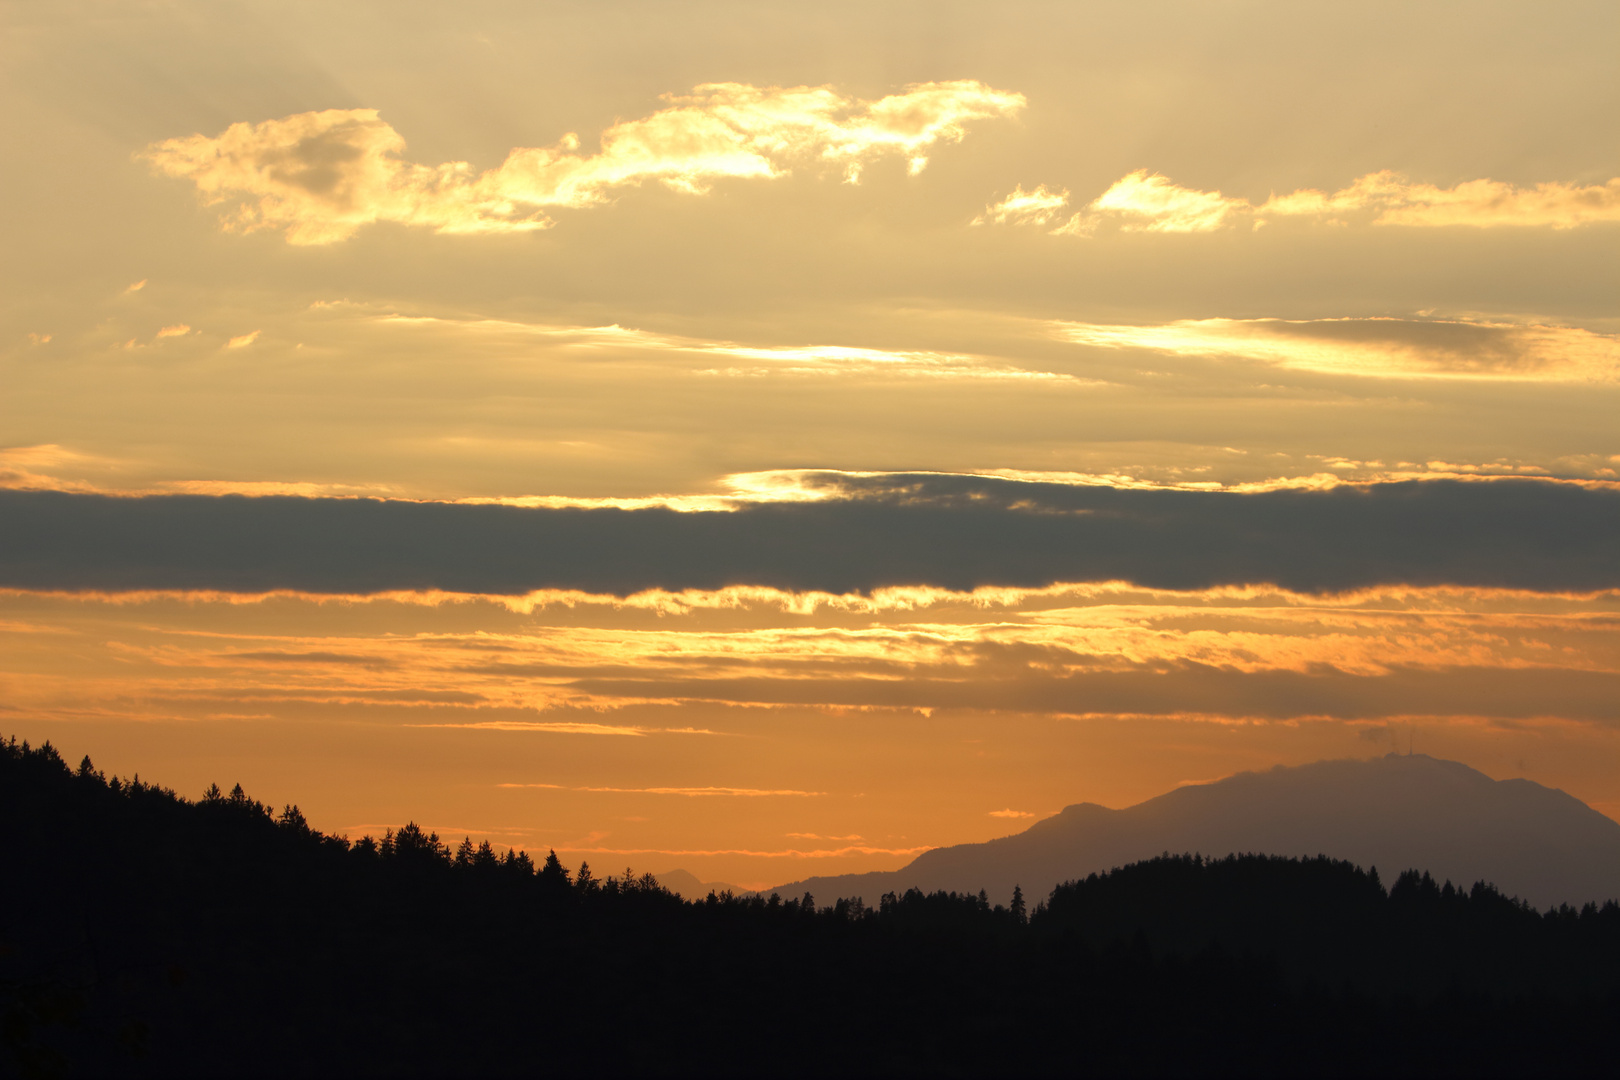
column 40, row 466
column 1188, row 691
column 561, row 728
column 321, row 176
column 1476, row 203
column 1011, row 814
column 689, row 792
column 1217, row 656
column 1144, row 201
column 274, row 656
column 243, row 340
column 814, row 360
column 868, row 533
column 1022, row 207
column 1384, row 347
column 790, row 853
column 177, row 330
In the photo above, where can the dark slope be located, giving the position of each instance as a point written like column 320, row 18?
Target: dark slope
column 1396, row 812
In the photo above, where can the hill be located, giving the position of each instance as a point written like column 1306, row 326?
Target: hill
column 1396, row 812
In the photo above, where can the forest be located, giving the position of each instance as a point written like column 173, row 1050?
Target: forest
column 146, row 934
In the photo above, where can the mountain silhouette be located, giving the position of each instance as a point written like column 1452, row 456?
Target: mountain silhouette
column 1395, row 813
column 688, row 886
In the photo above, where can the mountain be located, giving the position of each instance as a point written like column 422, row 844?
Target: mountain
column 686, row 885
column 1395, row 813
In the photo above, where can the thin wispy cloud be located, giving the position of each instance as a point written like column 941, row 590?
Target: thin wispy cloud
column 321, row 176
column 731, row 358
column 1022, row 207
column 1383, row 347
column 1149, row 202
column 1485, row 203
column 787, row 853
column 688, row 792
column 1219, row 656
column 555, row 727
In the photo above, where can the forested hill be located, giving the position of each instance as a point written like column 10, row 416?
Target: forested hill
column 148, row 935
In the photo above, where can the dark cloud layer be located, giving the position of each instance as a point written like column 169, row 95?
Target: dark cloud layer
column 947, row 531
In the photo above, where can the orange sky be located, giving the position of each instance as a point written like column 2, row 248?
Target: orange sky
column 856, row 259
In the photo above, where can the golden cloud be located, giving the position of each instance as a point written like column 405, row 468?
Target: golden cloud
column 1150, row 202
column 562, row 728
column 40, row 467
column 320, row 176
column 790, row 853
column 689, row 792
column 1386, row 347
column 1078, row 650
column 1146, row 202
column 1475, row 203
column 738, row 360
column 1022, row 207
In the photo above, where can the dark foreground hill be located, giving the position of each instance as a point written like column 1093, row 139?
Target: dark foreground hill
column 142, row 934
column 1395, row 812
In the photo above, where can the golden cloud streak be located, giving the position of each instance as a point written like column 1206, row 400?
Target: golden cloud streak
column 1381, row 347
column 321, row 176
column 789, row 853
column 1022, row 207
column 1145, row 201
column 921, row 653
column 688, row 792
column 818, row 360
column 560, row 728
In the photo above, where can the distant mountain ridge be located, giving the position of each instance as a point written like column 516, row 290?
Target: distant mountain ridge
column 1396, row 812
column 688, row 886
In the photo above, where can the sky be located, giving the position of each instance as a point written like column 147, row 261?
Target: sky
column 773, row 439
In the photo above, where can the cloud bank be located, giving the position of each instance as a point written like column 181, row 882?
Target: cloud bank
column 870, row 532
column 321, row 176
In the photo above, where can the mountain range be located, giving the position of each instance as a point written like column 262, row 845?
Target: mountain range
column 1398, row 812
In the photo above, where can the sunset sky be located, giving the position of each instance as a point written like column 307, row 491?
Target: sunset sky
column 810, row 434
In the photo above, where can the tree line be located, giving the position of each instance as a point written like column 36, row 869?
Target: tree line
column 144, row 933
